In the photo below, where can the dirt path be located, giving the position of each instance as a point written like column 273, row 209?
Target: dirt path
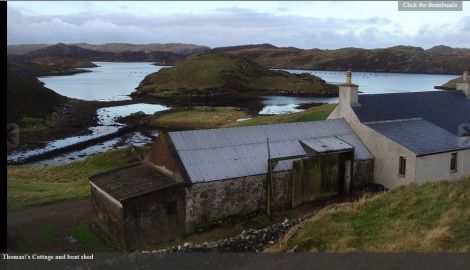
column 29, row 225
column 60, row 213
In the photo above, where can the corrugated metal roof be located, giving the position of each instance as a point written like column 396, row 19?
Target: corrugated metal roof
column 419, row 136
column 215, row 154
column 445, row 109
column 326, row 144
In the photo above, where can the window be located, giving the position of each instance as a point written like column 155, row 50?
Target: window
column 402, row 166
column 453, row 162
column 171, row 209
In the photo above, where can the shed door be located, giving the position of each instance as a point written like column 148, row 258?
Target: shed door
column 315, row 178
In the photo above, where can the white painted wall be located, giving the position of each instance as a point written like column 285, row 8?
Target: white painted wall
column 437, row 167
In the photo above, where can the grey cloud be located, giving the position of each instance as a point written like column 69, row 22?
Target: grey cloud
column 224, row 27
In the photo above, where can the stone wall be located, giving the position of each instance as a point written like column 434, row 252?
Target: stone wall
column 155, row 217
column 109, row 216
column 363, row 172
column 209, row 202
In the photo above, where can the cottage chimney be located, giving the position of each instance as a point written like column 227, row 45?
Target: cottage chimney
column 348, row 92
column 464, row 85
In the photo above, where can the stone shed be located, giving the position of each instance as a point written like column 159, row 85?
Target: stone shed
column 192, row 179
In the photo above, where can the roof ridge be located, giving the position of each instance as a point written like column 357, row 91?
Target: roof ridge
column 253, row 126
column 394, row 120
column 409, row 93
column 264, row 142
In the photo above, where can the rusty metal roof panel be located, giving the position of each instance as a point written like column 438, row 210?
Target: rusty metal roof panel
column 215, row 154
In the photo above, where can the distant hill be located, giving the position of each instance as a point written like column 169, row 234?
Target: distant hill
column 176, row 48
column 210, row 76
column 26, row 95
column 68, row 51
column 81, row 57
column 402, row 59
column 49, row 66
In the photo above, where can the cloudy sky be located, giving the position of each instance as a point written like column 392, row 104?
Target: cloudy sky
column 303, row 24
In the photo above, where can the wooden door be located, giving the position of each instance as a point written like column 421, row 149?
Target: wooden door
column 315, row 178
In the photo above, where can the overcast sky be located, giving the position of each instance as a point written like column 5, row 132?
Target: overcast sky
column 303, row 24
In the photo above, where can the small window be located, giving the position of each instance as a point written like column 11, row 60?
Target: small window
column 453, row 162
column 402, row 166
column 171, row 209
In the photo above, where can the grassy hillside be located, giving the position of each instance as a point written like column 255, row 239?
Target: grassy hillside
column 215, row 117
column 31, row 186
column 452, row 84
column 433, row 217
column 176, row 48
column 78, row 56
column 26, row 95
column 439, row 59
column 212, row 75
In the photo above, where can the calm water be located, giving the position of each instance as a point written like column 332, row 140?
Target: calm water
column 108, row 81
column 115, row 81
column 369, row 83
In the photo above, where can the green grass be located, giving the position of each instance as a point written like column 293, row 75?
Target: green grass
column 88, row 240
column 210, row 117
column 312, row 114
column 32, row 186
column 32, row 124
column 227, row 116
column 433, row 217
column 52, row 238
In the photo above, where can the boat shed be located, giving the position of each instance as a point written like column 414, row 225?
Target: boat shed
column 192, row 179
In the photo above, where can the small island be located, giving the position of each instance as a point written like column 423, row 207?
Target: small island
column 212, row 77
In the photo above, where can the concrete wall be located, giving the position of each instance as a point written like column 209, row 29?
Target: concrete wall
column 437, row 167
column 212, row 201
column 385, row 151
column 109, row 216
column 147, row 221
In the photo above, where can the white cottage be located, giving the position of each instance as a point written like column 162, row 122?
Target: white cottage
column 415, row 137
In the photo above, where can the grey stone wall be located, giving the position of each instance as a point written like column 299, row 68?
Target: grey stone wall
column 147, row 218
column 363, row 172
column 108, row 216
column 211, row 201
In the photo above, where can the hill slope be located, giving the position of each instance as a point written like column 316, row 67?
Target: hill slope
column 176, row 48
column 81, row 57
column 452, row 84
column 214, row 75
column 407, row 59
column 26, row 95
column 433, row 217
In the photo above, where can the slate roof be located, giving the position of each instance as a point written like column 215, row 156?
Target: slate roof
column 420, row 136
column 224, row 153
column 445, row 109
column 131, row 181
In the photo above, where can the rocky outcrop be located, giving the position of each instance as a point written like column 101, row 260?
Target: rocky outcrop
column 212, row 76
